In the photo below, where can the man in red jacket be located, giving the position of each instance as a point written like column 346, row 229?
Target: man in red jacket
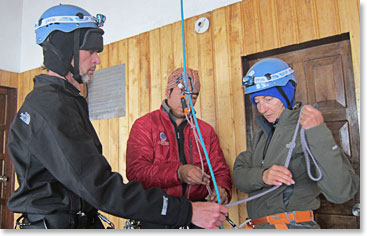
column 162, row 150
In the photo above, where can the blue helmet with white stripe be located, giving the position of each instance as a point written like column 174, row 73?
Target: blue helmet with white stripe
column 267, row 73
column 65, row 18
column 62, row 31
column 271, row 77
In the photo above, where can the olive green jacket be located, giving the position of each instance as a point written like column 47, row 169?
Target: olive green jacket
column 338, row 184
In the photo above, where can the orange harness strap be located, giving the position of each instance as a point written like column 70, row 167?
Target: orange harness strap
column 281, row 220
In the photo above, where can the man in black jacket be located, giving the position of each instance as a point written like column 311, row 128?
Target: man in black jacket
column 63, row 177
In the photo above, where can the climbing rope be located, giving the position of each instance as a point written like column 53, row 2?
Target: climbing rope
column 191, row 106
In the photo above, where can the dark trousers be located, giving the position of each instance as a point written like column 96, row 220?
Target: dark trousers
column 60, row 221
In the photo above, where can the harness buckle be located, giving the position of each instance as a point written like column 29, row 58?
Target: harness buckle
column 291, row 216
column 291, row 145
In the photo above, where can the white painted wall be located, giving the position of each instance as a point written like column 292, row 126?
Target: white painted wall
column 10, row 34
column 125, row 18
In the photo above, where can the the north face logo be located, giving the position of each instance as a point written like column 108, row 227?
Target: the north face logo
column 25, row 117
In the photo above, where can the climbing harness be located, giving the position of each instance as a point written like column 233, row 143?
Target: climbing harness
column 280, row 220
column 291, row 147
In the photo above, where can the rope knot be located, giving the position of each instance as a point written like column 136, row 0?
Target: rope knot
column 291, row 145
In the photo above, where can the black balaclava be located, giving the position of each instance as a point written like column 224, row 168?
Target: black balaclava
column 58, row 49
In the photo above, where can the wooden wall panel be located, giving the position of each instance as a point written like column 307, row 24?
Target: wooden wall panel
column 305, row 15
column 134, row 77
column 286, row 22
column 236, row 30
column 9, row 79
column 156, row 85
column 222, row 79
column 251, row 27
column 327, row 17
column 20, row 89
column 176, row 36
column 268, row 33
column 206, row 70
column 235, row 35
column 167, row 61
column 27, row 83
column 144, row 83
column 236, row 49
column 192, row 58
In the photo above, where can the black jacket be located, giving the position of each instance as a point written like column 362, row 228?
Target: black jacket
column 60, row 167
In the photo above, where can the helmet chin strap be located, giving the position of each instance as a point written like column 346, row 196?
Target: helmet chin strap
column 281, row 91
column 75, row 70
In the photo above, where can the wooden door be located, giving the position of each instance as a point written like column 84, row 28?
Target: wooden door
column 325, row 79
column 7, row 112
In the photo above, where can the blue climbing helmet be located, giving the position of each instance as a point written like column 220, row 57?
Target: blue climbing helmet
column 62, row 31
column 65, row 18
column 271, row 77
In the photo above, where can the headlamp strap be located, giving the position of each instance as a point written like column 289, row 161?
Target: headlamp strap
column 70, row 20
column 276, row 76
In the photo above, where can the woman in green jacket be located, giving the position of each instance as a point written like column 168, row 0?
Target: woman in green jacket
column 271, row 84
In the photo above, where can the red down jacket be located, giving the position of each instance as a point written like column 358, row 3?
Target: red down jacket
column 152, row 155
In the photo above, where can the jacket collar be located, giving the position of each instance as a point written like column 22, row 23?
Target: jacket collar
column 166, row 111
column 288, row 117
column 165, row 107
column 44, row 80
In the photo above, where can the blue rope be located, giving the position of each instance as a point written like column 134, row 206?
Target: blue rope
column 192, row 106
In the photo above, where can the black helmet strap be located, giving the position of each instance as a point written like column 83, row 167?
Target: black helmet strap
column 57, row 60
column 75, row 70
column 281, row 91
